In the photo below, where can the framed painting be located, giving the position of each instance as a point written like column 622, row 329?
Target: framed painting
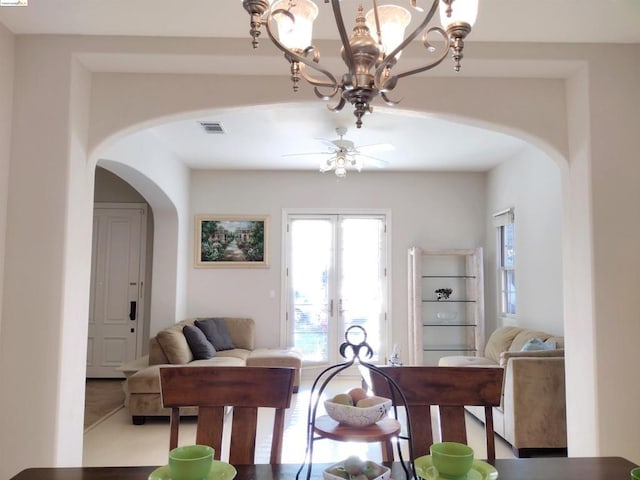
column 231, row 241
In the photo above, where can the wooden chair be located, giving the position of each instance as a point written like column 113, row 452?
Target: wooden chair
column 212, row 389
column 448, row 388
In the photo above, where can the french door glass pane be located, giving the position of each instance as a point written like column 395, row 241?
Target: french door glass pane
column 361, row 286
column 311, row 242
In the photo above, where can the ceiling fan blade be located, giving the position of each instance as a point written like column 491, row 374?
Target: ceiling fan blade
column 307, row 154
column 328, row 143
column 369, row 160
column 377, row 147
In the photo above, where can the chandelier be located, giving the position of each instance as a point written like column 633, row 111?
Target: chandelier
column 371, row 52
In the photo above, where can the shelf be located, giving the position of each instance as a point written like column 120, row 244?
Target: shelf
column 449, row 325
column 449, row 301
column 449, row 276
column 385, row 429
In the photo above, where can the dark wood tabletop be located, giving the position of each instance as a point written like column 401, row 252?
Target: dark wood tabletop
column 557, row 468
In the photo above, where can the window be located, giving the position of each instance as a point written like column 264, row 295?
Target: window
column 505, row 227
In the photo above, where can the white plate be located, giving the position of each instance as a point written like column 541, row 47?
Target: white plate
column 219, row 471
column 479, row 470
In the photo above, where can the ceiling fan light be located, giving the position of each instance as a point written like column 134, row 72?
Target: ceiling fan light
column 462, row 11
column 295, row 35
column 341, row 171
column 393, row 22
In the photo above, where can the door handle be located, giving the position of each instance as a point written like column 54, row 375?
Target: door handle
column 132, row 310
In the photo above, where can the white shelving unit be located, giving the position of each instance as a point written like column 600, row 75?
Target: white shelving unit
column 452, row 325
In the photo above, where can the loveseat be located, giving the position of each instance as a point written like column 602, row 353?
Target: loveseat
column 171, row 347
column 532, row 414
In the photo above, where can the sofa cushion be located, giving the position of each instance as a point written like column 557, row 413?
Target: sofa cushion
column 174, row 345
column 466, row 361
column 240, row 353
column 500, row 341
column 242, row 332
column 215, row 329
column 198, row 343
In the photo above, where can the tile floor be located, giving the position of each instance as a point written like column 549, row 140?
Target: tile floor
column 115, row 441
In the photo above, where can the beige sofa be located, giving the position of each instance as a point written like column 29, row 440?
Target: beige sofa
column 532, row 416
column 169, row 347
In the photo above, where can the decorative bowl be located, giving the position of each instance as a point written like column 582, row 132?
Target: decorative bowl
column 372, row 471
column 358, row 416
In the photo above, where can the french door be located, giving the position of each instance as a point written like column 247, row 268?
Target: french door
column 336, row 274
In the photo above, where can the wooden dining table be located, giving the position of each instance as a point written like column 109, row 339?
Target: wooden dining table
column 556, row 468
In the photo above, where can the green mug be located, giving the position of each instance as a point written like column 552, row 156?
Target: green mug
column 190, row 462
column 635, row 473
column 450, row 460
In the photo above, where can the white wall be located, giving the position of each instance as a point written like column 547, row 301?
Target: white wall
column 532, row 184
column 433, row 210
column 47, row 262
column 6, row 110
column 614, row 102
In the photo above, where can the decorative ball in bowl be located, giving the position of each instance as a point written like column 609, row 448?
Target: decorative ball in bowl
column 365, row 412
column 353, row 468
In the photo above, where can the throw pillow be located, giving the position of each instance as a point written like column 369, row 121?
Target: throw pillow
column 174, row 345
column 535, row 343
column 218, row 336
column 223, row 331
column 201, row 348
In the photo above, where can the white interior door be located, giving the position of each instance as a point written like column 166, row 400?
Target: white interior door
column 116, row 288
column 336, row 277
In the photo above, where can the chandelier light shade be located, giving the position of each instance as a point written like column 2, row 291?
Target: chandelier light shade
column 465, row 12
column 392, row 22
column 371, row 52
column 296, row 33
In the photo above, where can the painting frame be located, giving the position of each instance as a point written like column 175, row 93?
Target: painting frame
column 231, row 241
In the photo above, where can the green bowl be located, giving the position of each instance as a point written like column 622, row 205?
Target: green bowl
column 190, row 462
column 635, row 473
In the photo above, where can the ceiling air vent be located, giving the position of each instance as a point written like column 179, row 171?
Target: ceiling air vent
column 212, row 127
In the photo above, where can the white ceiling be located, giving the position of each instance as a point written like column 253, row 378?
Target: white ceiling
column 264, row 128
column 498, row 20
column 294, row 128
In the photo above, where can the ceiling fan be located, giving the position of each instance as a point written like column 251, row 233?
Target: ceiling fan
column 343, row 154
